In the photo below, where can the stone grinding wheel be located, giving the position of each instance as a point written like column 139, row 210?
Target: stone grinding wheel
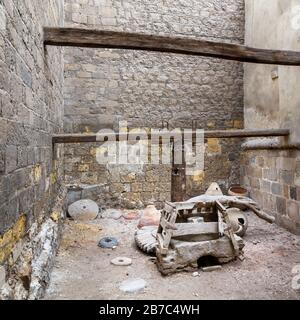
column 108, row 242
column 145, row 239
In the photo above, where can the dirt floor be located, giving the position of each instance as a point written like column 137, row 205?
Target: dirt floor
column 83, row 270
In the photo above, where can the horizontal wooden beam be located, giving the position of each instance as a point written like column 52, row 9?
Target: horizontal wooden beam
column 180, row 45
column 246, row 133
column 270, row 144
column 84, row 138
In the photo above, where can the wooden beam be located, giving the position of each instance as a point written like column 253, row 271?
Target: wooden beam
column 74, row 138
column 78, row 138
column 183, row 229
column 246, row 133
column 270, row 144
column 180, row 45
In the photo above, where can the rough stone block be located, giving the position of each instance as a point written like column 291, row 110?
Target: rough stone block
column 270, row 174
column 79, row 18
column 281, row 205
column 266, row 186
column 297, row 180
column 297, row 169
column 83, row 168
column 108, row 12
column 287, row 177
column 270, row 162
column 286, row 191
column 276, row 188
column 293, row 193
column 25, row 75
column 22, row 157
column 109, row 21
column 260, row 161
column 254, row 183
column 11, row 158
column 17, row 250
column 293, row 211
column 136, row 187
column 26, row 199
column 238, row 124
column 11, row 237
column 286, row 163
column 298, row 193
column 269, row 202
column 254, row 172
column 213, row 145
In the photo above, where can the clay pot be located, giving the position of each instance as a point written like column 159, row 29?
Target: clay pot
column 150, row 217
column 238, row 220
column 237, row 191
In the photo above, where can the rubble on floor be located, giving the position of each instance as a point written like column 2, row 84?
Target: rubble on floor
column 266, row 272
column 133, row 285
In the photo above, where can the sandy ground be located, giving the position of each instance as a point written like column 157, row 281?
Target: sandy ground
column 83, row 270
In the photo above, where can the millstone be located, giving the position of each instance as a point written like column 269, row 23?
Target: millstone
column 83, row 210
column 121, row 261
column 108, row 242
column 145, row 239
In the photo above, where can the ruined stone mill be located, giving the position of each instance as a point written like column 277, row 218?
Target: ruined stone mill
column 149, row 149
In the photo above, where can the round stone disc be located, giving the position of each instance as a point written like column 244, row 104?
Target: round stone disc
column 83, row 210
column 108, row 242
column 121, row 261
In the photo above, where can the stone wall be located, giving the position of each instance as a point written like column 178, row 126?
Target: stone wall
column 145, row 89
column 273, row 178
column 272, row 99
column 31, row 100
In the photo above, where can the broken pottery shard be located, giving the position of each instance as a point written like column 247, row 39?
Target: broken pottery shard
column 121, row 261
column 150, row 217
column 133, row 285
column 115, row 215
column 111, row 214
column 131, row 215
column 108, row 242
column 83, row 210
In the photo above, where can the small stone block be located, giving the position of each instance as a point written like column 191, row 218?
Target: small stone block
column 210, row 269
